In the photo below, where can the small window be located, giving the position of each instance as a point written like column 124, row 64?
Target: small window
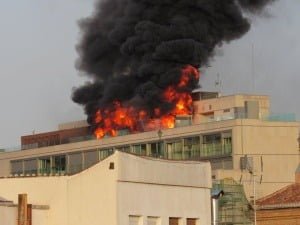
column 135, row 220
column 191, row 221
column 174, row 221
column 226, row 110
column 152, row 220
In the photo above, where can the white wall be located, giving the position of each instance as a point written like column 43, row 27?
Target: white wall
column 163, row 188
column 100, row 195
column 163, row 202
column 9, row 215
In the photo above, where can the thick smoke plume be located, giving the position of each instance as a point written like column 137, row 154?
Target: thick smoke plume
column 134, row 49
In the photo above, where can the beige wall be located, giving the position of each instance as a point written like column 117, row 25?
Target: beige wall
column 203, row 108
column 163, row 189
column 92, row 195
column 9, row 215
column 274, row 149
column 50, row 191
column 100, row 195
column 163, row 202
column 85, row 198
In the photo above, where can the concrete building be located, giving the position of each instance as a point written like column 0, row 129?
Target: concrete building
column 123, row 189
column 237, row 134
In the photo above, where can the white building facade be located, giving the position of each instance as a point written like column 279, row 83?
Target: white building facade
column 123, row 189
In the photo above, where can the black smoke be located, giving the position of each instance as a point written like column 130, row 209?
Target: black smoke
column 133, row 49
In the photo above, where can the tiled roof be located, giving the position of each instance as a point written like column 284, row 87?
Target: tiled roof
column 285, row 196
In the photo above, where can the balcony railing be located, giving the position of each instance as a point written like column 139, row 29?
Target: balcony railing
column 215, row 150
column 283, row 117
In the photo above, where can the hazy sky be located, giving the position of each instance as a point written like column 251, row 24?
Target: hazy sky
column 37, row 52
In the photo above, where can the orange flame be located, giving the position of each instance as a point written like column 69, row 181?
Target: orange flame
column 121, row 117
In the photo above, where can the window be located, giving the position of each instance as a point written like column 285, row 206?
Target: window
column 59, row 164
column 104, row 153
column 182, row 121
column 212, row 145
column 192, row 148
column 152, row 220
column 30, row 166
column 135, row 220
column 16, row 167
column 123, row 148
column 75, row 163
column 222, row 163
column 175, row 150
column 174, row 221
column 139, row 149
column 191, row 221
column 91, row 158
column 227, row 145
column 156, row 149
column 44, row 165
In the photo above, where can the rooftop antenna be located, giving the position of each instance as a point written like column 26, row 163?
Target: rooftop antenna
column 218, row 83
column 252, row 68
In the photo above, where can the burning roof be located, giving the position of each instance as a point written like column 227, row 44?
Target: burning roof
column 143, row 57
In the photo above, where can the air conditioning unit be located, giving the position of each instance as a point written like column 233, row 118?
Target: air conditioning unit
column 246, row 163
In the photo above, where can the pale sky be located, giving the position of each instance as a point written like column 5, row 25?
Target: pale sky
column 37, row 73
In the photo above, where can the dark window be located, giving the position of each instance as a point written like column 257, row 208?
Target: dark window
column 30, row 166
column 173, row 221
column 191, row 221
column 44, row 165
column 75, row 163
column 192, row 148
column 212, row 145
column 91, row 158
column 139, row 149
column 59, row 164
column 123, row 148
column 156, row 149
column 16, row 167
column 104, row 153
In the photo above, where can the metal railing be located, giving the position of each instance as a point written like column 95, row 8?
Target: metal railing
column 215, row 150
column 280, row 117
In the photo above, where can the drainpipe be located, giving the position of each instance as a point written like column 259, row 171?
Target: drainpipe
column 215, row 206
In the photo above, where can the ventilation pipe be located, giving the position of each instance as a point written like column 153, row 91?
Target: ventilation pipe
column 216, row 194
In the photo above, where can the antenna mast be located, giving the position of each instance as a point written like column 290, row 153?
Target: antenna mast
column 218, row 83
column 252, row 68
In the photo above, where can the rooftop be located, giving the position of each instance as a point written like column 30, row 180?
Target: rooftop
column 287, row 197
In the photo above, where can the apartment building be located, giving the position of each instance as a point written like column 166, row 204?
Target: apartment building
column 237, row 134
